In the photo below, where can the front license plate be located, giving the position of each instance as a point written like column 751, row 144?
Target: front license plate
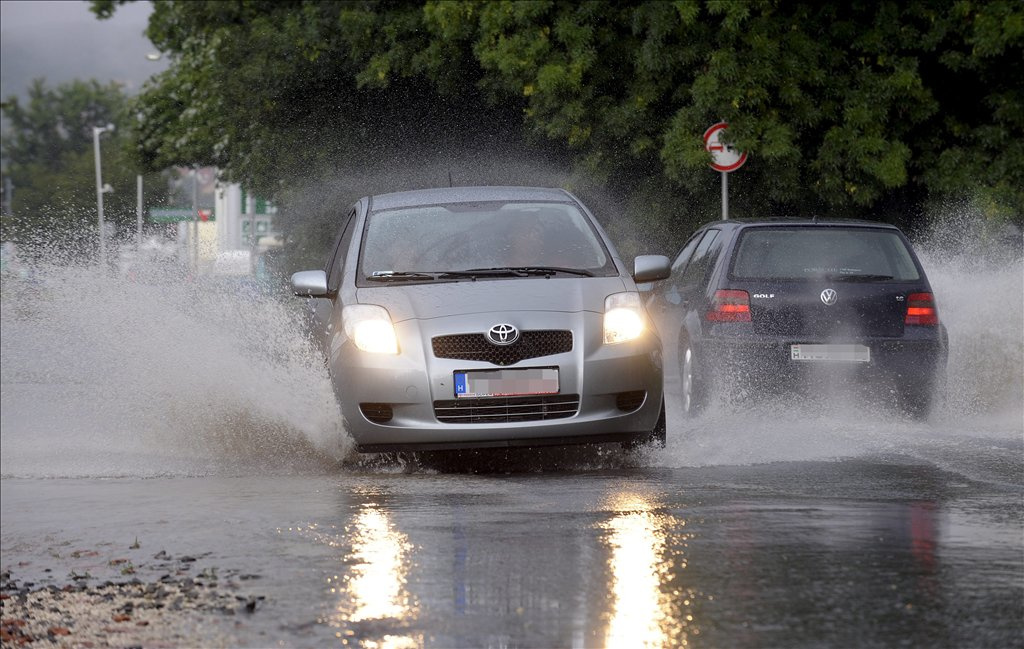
column 842, row 353
column 506, row 383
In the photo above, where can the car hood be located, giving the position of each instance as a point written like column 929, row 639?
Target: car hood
column 424, row 301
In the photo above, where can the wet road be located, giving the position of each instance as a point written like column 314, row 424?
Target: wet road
column 159, row 418
column 876, row 551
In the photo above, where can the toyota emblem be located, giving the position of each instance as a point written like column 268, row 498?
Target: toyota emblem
column 829, row 297
column 503, row 334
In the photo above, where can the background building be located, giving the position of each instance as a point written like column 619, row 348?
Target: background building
column 238, row 215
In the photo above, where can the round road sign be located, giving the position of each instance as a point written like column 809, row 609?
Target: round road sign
column 725, row 158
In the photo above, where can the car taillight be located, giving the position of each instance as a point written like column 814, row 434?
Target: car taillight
column 729, row 306
column 921, row 309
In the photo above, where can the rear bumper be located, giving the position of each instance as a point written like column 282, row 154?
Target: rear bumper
column 919, row 356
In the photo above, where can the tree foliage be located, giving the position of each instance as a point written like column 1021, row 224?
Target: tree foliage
column 49, row 156
column 862, row 107
column 269, row 91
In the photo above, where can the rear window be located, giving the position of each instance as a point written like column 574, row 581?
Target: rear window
column 806, row 253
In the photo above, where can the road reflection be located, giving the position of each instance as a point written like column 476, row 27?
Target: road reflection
column 470, row 577
column 377, row 583
column 612, row 560
column 373, row 595
column 645, row 609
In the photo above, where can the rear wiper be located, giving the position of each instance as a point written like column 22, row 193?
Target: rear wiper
column 859, row 278
column 524, row 271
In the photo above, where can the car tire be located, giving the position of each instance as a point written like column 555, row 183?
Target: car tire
column 692, row 384
column 916, row 401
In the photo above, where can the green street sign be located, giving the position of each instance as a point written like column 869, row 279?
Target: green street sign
column 173, row 214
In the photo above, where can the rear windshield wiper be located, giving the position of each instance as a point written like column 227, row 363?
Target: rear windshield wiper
column 859, row 278
column 522, row 271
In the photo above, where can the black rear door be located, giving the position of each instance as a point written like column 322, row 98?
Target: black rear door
column 825, row 282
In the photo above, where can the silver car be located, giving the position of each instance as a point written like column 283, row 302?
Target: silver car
column 474, row 317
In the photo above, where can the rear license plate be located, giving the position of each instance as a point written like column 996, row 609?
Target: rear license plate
column 506, row 383
column 841, row 353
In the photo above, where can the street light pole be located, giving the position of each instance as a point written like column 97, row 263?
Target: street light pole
column 138, row 211
column 250, row 207
column 195, row 218
column 100, row 188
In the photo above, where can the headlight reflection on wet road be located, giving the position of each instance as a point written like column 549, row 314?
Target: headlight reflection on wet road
column 375, row 589
column 378, row 582
column 641, row 613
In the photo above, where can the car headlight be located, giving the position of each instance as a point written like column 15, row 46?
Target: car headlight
column 624, row 318
column 369, row 327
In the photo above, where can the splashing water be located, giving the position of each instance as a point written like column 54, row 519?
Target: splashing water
column 104, row 376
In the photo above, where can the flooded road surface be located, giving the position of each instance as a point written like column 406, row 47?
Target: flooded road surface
column 881, row 551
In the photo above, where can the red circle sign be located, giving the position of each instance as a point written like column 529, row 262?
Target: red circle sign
column 725, row 158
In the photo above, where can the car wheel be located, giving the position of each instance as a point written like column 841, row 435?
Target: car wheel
column 916, row 402
column 693, row 388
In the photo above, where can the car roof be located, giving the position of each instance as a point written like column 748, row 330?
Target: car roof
column 441, row 195
column 801, row 221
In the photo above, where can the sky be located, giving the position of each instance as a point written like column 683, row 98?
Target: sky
column 61, row 40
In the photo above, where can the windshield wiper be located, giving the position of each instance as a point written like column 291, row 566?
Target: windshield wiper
column 859, row 278
column 472, row 273
column 401, row 276
column 524, row 271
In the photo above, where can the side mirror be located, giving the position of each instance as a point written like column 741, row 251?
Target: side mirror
column 651, row 268
column 310, row 283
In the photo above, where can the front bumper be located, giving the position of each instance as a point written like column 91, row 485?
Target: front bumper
column 406, row 387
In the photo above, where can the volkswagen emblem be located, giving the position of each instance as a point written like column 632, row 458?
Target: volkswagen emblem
column 503, row 334
column 829, row 296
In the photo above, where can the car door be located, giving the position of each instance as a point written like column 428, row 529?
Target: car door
column 692, row 284
column 665, row 303
column 670, row 290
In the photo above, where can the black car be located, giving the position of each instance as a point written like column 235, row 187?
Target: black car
column 767, row 303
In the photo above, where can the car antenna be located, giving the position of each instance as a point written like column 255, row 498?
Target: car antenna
column 450, row 178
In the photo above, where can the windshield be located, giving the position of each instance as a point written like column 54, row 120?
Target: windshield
column 461, row 237
column 814, row 252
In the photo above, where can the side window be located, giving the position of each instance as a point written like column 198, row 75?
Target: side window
column 337, row 261
column 711, row 258
column 703, row 257
column 684, row 254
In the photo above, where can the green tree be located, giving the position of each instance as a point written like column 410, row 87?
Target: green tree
column 846, row 108
column 273, row 91
column 49, row 157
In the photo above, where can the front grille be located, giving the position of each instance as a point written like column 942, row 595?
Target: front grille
column 476, row 347
column 499, row 410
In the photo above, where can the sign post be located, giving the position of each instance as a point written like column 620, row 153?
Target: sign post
column 725, row 159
